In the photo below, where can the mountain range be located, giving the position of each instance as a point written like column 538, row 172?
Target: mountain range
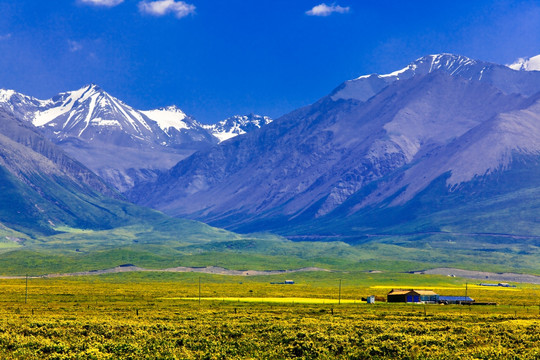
column 56, row 214
column 436, row 162
column 380, row 154
column 121, row 144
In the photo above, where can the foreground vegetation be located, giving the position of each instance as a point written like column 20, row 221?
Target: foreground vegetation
column 142, row 316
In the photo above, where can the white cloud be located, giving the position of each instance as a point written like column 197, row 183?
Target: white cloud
column 74, row 45
column 180, row 9
column 5, row 36
column 104, row 3
column 325, row 10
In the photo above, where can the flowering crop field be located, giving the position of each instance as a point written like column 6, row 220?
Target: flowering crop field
column 115, row 318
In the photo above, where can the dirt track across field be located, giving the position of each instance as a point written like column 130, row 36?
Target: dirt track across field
column 482, row 275
column 469, row 274
column 206, row 270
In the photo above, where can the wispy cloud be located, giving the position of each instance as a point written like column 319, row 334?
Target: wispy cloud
column 74, row 46
column 5, row 36
column 104, row 3
column 325, row 10
column 179, row 9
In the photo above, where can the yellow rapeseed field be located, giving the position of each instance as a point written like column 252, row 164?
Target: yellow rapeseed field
column 101, row 318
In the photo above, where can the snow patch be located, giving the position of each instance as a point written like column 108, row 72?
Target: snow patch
column 103, row 122
column 89, row 114
column 228, row 135
column 5, row 95
column 168, row 118
column 526, row 64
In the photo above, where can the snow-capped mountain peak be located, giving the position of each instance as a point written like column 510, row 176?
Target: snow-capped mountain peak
column 63, row 103
column 121, row 144
column 428, row 64
column 89, row 110
column 365, row 87
column 91, row 114
column 526, row 64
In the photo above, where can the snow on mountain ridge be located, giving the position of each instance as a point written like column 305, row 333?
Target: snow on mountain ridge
column 66, row 100
column 509, row 82
column 121, row 144
column 237, row 125
column 526, row 64
column 6, row 94
column 365, row 86
column 19, row 104
column 435, row 61
column 92, row 108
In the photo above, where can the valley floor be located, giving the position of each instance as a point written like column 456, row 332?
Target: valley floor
column 143, row 316
column 217, row 270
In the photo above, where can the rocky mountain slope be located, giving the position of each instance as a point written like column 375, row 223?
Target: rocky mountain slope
column 121, row 144
column 42, row 187
column 377, row 142
column 25, row 153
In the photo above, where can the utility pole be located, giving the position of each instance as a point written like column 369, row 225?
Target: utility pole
column 199, row 290
column 466, row 288
column 26, row 293
column 339, row 298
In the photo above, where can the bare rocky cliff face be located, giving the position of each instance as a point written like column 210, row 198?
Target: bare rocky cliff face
column 376, row 141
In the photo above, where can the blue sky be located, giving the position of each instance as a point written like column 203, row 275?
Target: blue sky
column 218, row 58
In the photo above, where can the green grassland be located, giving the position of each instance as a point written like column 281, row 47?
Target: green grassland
column 141, row 316
column 194, row 244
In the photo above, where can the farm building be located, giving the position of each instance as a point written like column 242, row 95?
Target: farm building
column 455, row 300
column 412, row 296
